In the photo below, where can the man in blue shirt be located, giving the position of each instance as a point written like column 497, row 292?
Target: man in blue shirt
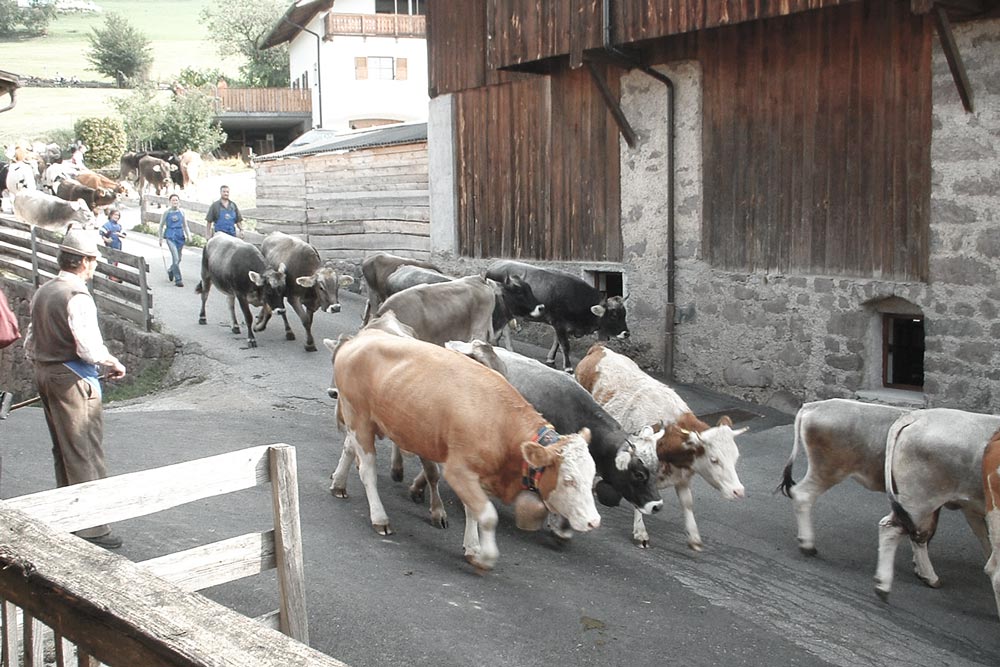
column 224, row 215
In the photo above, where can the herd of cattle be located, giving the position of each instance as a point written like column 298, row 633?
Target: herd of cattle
column 549, row 442
column 51, row 192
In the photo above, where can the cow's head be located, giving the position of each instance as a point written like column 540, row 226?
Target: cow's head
column 633, row 475
column 518, row 298
column 567, row 482
column 269, row 288
column 333, row 346
column 611, row 312
column 325, row 285
column 710, row 452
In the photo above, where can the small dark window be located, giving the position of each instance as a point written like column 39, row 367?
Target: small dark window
column 903, row 351
column 387, row 6
column 608, row 283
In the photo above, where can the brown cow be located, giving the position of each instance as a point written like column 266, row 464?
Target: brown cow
column 475, row 423
column 71, row 190
column 155, row 173
column 94, row 180
column 991, row 491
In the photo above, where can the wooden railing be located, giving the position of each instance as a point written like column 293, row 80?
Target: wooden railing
column 29, row 252
column 100, row 605
column 263, row 100
column 376, row 25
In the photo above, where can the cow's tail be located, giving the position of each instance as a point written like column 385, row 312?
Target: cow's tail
column 786, row 479
column 902, row 516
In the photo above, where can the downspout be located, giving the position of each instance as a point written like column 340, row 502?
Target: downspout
column 319, row 72
column 669, row 332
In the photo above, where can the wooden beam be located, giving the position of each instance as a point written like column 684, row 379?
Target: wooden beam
column 954, row 58
column 623, row 125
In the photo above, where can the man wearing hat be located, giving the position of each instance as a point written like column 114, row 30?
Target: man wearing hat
column 65, row 344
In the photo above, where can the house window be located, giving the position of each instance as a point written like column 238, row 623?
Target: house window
column 381, row 68
column 903, row 351
column 410, row 7
column 608, row 283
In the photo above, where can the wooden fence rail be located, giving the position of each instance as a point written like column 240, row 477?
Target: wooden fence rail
column 122, row 613
column 119, row 284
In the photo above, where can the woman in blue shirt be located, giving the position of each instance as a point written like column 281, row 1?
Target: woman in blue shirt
column 174, row 229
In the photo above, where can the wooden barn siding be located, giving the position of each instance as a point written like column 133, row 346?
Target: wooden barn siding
column 538, row 170
column 816, row 143
column 349, row 205
column 523, row 31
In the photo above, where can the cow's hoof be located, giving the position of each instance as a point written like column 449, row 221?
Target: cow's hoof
column 251, row 343
column 641, row 543
column 481, row 567
column 416, row 495
column 202, row 320
column 695, row 546
column 235, row 330
column 882, row 594
column 549, row 362
column 310, row 347
column 382, row 528
column 808, row 551
column 289, row 335
column 935, row 583
column 396, row 474
column 569, row 370
column 338, row 493
column 258, row 327
column 439, row 521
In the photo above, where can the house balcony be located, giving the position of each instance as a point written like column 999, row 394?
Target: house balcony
column 263, row 100
column 375, row 25
column 262, row 119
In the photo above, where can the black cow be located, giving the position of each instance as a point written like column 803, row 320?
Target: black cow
column 309, row 285
column 623, row 461
column 238, row 269
column 128, row 166
column 71, row 190
column 571, row 305
column 376, row 270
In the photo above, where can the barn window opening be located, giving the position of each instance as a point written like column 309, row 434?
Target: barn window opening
column 903, row 351
column 608, row 283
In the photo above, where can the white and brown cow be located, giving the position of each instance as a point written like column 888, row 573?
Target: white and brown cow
column 933, row 459
column 842, row 438
column 991, row 494
column 488, row 438
column 689, row 446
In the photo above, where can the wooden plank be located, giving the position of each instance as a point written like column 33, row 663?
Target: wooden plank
column 128, row 311
column 10, row 639
column 216, row 563
column 123, row 615
column 371, row 242
column 288, row 543
column 135, row 494
column 34, row 651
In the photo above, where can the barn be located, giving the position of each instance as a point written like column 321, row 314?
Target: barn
column 799, row 198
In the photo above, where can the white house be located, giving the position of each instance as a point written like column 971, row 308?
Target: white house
column 365, row 61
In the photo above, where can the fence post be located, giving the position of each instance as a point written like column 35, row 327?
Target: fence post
column 288, row 542
column 144, row 294
column 34, row 257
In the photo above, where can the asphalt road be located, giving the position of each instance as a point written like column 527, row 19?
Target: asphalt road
column 750, row 598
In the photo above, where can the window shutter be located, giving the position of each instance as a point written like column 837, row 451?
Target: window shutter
column 401, row 69
column 361, row 68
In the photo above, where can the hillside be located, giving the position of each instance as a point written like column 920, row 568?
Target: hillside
column 177, row 35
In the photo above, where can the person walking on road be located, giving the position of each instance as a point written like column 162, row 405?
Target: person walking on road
column 224, row 215
column 112, row 233
column 64, row 344
column 174, row 229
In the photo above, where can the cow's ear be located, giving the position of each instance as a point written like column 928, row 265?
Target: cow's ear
column 536, row 455
column 257, row 279
column 346, row 280
column 330, row 344
column 306, row 281
column 598, row 310
column 724, row 420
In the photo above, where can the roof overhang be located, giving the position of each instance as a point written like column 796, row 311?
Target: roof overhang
column 293, row 20
column 263, row 120
column 9, row 83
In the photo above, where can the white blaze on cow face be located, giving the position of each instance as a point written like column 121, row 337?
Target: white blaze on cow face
column 718, row 465
column 573, row 497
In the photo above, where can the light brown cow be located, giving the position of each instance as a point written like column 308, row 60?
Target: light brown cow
column 94, row 180
column 447, row 408
column 991, row 492
column 376, row 270
column 688, row 446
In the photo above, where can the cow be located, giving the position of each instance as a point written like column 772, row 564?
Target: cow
column 626, row 463
column 460, row 309
column 57, row 172
column 376, row 269
column 155, row 173
column 128, row 166
column 71, row 190
column 238, row 269
column 688, row 445
column 190, row 166
column 571, row 305
column 94, row 180
column 842, row 438
column 933, row 459
column 991, row 494
column 309, row 285
column 490, row 440
column 20, row 176
column 50, row 212
column 408, row 275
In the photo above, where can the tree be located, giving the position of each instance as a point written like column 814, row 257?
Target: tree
column 104, row 139
column 239, row 27
column 141, row 115
column 32, row 20
column 189, row 123
column 119, row 51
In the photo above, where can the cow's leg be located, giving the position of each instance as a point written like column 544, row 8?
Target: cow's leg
column 977, row 523
column 505, row 335
column 367, row 313
column 921, row 559
column 550, row 358
column 563, row 339
column 204, row 287
column 639, row 534
column 338, row 480
column 263, row 317
column 232, row 314
column 306, row 317
column 439, row 518
column 890, row 532
column 804, row 495
column 396, row 465
column 992, row 568
column 480, row 541
column 247, row 319
column 289, row 334
column 686, row 499
column 365, row 450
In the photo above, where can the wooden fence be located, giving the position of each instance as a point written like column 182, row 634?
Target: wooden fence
column 119, row 285
column 103, row 607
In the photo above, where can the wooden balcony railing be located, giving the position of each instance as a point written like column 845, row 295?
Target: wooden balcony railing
column 267, row 100
column 376, row 25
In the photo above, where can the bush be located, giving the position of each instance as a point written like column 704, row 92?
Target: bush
column 119, row 51
column 197, row 241
column 188, row 123
column 104, row 139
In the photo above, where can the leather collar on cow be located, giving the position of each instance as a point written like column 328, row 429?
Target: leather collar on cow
column 545, row 436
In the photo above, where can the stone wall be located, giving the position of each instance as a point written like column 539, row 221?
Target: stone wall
column 788, row 338
column 135, row 348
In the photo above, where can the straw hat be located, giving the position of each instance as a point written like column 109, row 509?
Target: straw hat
column 80, row 242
